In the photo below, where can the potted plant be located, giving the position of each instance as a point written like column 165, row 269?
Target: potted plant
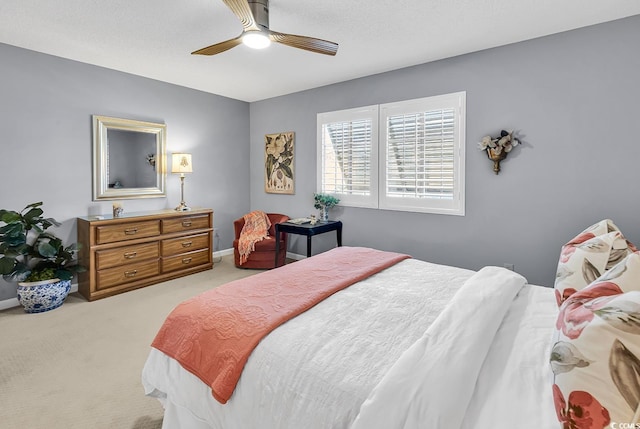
column 324, row 202
column 35, row 258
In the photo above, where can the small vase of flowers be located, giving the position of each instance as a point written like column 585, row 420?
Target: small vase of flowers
column 324, row 202
column 498, row 147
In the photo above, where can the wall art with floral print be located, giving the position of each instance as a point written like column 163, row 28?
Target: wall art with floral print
column 278, row 163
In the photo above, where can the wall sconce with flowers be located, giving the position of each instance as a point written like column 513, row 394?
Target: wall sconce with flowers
column 497, row 148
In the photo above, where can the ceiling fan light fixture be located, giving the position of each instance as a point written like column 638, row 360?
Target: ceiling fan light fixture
column 254, row 16
column 256, row 40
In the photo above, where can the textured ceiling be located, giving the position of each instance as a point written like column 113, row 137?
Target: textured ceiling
column 154, row 38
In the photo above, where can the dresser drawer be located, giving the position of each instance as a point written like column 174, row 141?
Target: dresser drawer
column 186, row 260
column 142, row 249
column 127, row 273
column 127, row 231
column 185, row 223
column 126, row 255
column 189, row 243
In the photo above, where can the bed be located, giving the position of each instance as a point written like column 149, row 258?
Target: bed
column 416, row 345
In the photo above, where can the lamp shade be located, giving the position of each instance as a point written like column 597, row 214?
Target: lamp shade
column 181, row 163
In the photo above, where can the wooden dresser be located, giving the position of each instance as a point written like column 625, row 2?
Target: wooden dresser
column 141, row 249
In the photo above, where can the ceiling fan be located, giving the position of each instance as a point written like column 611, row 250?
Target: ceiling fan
column 254, row 15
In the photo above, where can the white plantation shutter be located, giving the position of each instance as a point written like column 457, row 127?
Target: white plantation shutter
column 422, row 165
column 420, row 153
column 347, row 155
column 416, row 164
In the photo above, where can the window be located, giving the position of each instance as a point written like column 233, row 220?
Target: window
column 348, row 155
column 406, row 156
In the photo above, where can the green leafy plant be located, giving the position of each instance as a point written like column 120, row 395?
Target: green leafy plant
column 29, row 252
column 324, row 200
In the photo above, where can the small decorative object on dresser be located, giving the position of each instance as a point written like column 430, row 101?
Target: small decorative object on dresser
column 324, row 202
column 498, row 147
column 141, row 249
column 36, row 259
column 117, row 209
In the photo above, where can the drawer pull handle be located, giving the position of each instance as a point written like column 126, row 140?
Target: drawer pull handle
column 187, row 243
column 131, row 273
column 130, row 255
column 130, row 231
column 186, row 260
column 186, row 223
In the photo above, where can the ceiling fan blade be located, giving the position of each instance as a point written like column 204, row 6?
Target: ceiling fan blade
column 241, row 9
column 219, row 47
column 303, row 42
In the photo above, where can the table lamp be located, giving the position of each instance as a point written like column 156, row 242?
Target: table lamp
column 181, row 163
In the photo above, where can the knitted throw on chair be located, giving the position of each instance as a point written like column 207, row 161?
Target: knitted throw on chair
column 256, row 228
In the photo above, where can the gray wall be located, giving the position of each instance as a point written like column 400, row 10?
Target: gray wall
column 572, row 97
column 46, row 105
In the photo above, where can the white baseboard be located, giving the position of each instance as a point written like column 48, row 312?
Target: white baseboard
column 13, row 302
column 8, row 303
column 295, row 256
column 221, row 253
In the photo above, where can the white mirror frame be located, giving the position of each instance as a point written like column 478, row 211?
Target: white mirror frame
column 101, row 190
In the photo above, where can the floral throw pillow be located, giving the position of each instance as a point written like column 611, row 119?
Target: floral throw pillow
column 589, row 255
column 596, row 355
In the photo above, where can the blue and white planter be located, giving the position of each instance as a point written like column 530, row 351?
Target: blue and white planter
column 38, row 297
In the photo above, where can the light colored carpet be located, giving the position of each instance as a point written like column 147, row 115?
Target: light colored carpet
column 79, row 366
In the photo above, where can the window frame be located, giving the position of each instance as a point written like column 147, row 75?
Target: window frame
column 378, row 115
column 349, row 115
column 454, row 206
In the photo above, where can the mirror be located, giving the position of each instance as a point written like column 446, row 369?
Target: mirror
column 129, row 158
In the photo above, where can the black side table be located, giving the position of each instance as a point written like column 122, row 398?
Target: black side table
column 308, row 230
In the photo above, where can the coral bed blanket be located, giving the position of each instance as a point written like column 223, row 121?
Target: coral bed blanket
column 213, row 334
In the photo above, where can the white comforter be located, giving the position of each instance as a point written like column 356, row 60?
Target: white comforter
column 317, row 370
column 432, row 384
